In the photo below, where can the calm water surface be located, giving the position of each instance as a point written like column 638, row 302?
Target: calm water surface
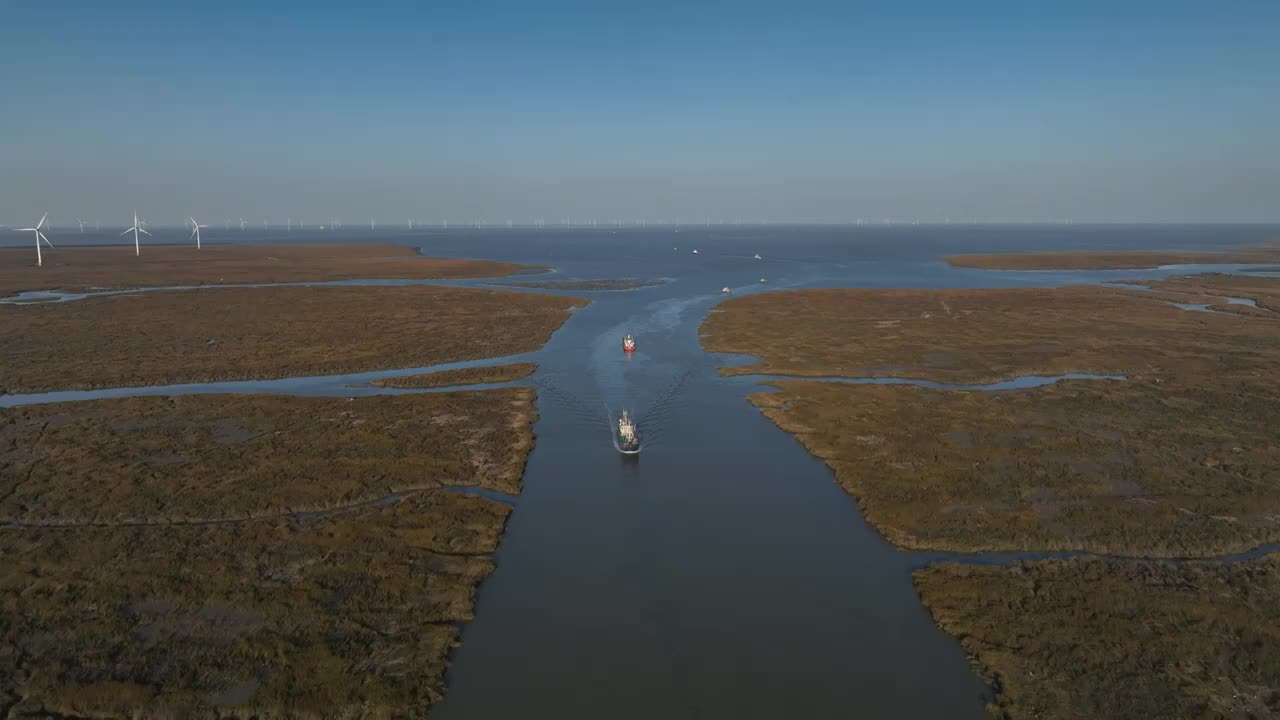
column 723, row 573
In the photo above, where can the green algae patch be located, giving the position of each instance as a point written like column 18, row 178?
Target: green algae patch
column 1128, row 640
column 461, row 376
column 247, row 555
column 169, row 337
column 116, row 266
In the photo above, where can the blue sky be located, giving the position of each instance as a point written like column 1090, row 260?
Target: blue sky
column 797, row 111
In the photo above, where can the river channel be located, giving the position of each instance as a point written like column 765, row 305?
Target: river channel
column 723, row 572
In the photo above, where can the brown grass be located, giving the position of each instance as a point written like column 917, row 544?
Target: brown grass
column 162, row 599
column 1122, row 640
column 1111, row 260
column 975, row 336
column 246, row 333
column 1121, row 467
column 461, row 376
column 1176, row 460
column 206, row 457
column 1214, row 288
column 81, row 268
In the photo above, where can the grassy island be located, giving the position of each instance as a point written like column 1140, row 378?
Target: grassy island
column 461, row 376
column 1112, row 260
column 1176, row 460
column 116, row 266
column 169, row 337
column 246, row 555
column 1125, row 640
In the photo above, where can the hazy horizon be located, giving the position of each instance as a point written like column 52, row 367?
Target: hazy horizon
column 798, row 113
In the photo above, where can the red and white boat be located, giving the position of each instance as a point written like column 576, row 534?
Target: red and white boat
column 628, row 344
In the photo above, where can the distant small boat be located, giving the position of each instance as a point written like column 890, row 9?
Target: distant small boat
column 762, row 280
column 757, row 256
column 695, row 251
column 628, row 440
column 628, row 344
column 724, row 291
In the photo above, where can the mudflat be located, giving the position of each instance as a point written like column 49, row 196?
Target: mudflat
column 116, row 267
column 1129, row 640
column 460, row 376
column 1176, row 459
column 167, row 337
column 246, row 555
column 1112, row 260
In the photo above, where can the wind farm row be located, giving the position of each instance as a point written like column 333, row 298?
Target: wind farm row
column 139, row 227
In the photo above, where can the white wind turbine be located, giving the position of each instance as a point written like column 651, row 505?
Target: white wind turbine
column 81, row 225
column 39, row 236
column 241, row 224
column 137, row 228
column 373, row 225
column 195, row 231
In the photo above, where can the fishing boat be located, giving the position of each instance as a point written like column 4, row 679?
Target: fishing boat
column 628, row 344
column 757, row 256
column 628, row 440
column 724, row 291
column 695, row 252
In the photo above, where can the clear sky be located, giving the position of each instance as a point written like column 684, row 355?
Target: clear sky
column 785, row 111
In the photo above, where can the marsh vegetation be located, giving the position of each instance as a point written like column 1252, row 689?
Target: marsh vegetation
column 246, row 555
column 1112, row 260
column 116, row 266
column 1129, row 640
column 461, row 376
column 172, row 337
column 1177, row 459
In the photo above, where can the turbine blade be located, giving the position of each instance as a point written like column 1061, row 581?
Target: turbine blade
column 144, row 232
column 42, row 219
column 194, row 230
column 126, row 232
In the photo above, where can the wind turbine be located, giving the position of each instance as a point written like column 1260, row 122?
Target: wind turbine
column 195, row 231
column 81, row 225
column 241, row 224
column 137, row 228
column 373, row 225
column 410, row 223
column 39, row 236
column 289, row 222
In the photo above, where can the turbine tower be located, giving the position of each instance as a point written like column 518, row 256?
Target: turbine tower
column 373, row 225
column 81, row 225
column 137, row 228
column 241, row 224
column 39, row 236
column 195, row 231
